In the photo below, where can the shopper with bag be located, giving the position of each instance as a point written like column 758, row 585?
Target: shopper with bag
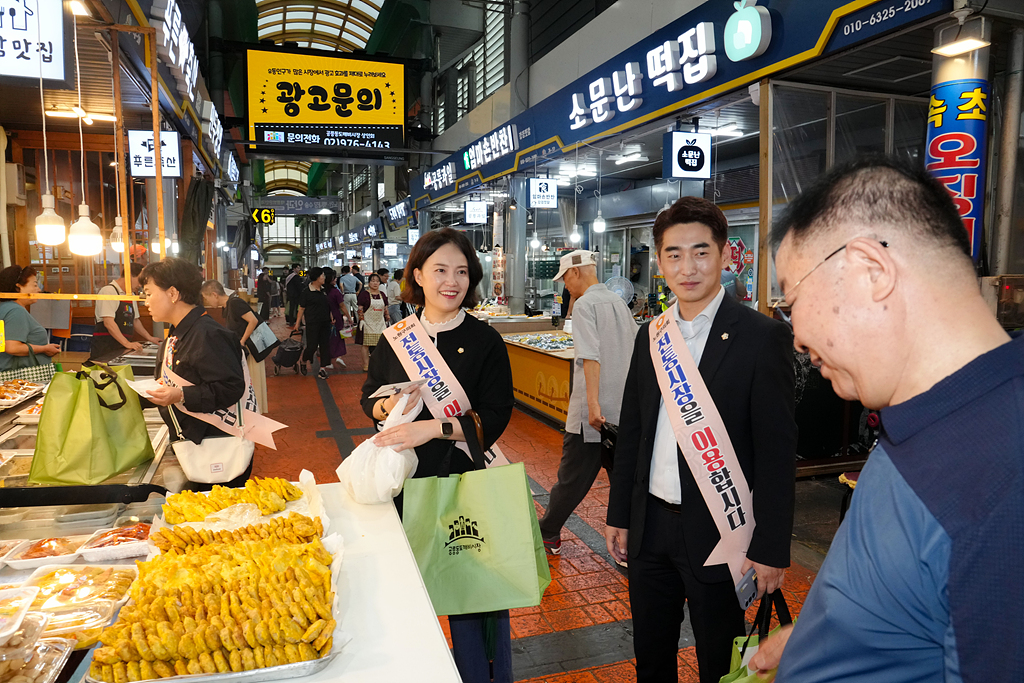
column 471, row 358
column 241, row 320
column 339, row 316
column 314, row 309
column 28, row 352
column 200, row 367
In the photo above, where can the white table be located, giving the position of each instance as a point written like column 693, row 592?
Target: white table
column 385, row 608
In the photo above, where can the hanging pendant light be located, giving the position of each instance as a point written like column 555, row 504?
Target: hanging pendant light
column 117, row 236
column 85, row 238
column 599, row 222
column 50, row 226
column 575, row 236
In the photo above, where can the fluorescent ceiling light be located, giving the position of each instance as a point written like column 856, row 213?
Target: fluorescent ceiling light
column 103, row 117
column 630, row 158
column 79, row 9
column 325, row 211
column 958, row 47
column 87, row 120
column 728, row 130
column 56, row 113
column 79, row 111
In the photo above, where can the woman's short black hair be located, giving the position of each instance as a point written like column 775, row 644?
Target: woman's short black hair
column 425, row 248
column 178, row 273
column 329, row 276
column 12, row 276
column 371, row 276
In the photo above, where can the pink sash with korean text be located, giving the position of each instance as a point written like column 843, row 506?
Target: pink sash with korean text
column 704, row 442
column 249, row 425
column 442, row 394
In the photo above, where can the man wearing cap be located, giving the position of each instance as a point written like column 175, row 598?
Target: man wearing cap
column 603, row 332
column 703, row 485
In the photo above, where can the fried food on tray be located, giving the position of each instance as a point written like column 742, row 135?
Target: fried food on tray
column 49, row 547
column 209, row 606
column 294, row 528
column 79, row 585
column 125, row 534
column 269, row 495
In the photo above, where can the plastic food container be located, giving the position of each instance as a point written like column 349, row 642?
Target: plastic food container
column 19, row 644
column 48, row 658
column 14, row 604
column 6, row 547
column 64, row 586
column 75, row 514
column 67, row 547
column 82, row 624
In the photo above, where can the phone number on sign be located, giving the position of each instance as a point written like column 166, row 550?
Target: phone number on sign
column 882, row 16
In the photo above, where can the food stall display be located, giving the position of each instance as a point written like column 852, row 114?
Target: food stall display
column 253, row 589
column 542, row 371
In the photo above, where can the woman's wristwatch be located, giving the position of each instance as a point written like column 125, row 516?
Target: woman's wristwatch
column 447, row 429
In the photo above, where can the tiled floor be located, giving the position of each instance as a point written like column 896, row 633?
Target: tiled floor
column 588, row 596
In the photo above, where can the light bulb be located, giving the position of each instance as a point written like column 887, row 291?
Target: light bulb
column 226, row 249
column 117, row 236
column 575, row 236
column 156, row 245
column 175, row 247
column 50, row 227
column 599, row 223
column 85, row 238
column 535, row 243
column 220, row 244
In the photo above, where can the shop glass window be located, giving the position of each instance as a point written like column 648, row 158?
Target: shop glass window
column 909, row 128
column 859, row 127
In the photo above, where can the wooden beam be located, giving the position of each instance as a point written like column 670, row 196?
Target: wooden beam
column 33, row 139
column 159, row 180
column 119, row 156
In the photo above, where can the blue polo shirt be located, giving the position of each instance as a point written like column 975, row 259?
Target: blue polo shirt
column 923, row 580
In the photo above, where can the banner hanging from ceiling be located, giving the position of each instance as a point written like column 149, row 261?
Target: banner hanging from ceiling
column 322, row 105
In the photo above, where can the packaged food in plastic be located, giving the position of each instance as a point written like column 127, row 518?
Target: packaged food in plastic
column 14, row 603
column 84, row 624
column 63, row 586
column 19, row 644
column 45, row 663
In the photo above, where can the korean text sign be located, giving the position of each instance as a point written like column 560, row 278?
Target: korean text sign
column 142, row 157
column 956, row 148
column 325, row 102
column 32, row 36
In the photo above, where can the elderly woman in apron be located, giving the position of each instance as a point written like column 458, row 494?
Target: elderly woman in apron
column 373, row 312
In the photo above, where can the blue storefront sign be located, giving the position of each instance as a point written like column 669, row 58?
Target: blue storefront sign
column 956, row 148
column 720, row 46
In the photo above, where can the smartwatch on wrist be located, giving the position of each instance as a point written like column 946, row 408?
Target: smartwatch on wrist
column 447, row 429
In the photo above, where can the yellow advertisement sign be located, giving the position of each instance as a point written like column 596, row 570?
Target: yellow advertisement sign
column 325, row 103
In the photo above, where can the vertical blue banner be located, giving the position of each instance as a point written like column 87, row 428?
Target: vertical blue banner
column 956, row 148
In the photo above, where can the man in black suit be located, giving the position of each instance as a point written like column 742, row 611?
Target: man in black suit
column 657, row 515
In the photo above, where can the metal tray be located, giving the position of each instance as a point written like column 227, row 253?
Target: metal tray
column 271, row 673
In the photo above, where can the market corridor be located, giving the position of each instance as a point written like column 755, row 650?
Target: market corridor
column 582, row 631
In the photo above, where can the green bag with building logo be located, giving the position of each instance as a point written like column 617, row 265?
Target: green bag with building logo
column 475, row 536
column 91, row 428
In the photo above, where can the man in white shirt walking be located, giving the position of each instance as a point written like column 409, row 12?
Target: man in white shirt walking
column 394, row 295
column 603, row 333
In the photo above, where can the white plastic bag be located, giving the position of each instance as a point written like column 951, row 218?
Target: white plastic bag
column 374, row 474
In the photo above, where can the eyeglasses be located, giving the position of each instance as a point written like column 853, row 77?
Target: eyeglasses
column 820, row 264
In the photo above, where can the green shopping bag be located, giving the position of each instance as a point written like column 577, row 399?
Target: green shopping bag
column 476, row 538
column 747, row 645
column 91, row 428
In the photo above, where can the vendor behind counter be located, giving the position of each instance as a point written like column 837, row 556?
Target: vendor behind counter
column 118, row 322
column 27, row 342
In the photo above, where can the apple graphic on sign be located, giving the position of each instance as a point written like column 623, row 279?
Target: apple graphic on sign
column 748, row 31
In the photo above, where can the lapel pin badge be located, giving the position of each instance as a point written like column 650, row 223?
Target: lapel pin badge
column 461, row 350
column 725, row 335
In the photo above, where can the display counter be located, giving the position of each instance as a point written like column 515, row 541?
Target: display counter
column 513, row 324
column 542, row 377
column 384, row 606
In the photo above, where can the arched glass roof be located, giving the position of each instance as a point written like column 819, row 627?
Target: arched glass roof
column 280, row 175
column 340, row 25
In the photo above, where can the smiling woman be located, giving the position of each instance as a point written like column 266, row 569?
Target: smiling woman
column 470, row 357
